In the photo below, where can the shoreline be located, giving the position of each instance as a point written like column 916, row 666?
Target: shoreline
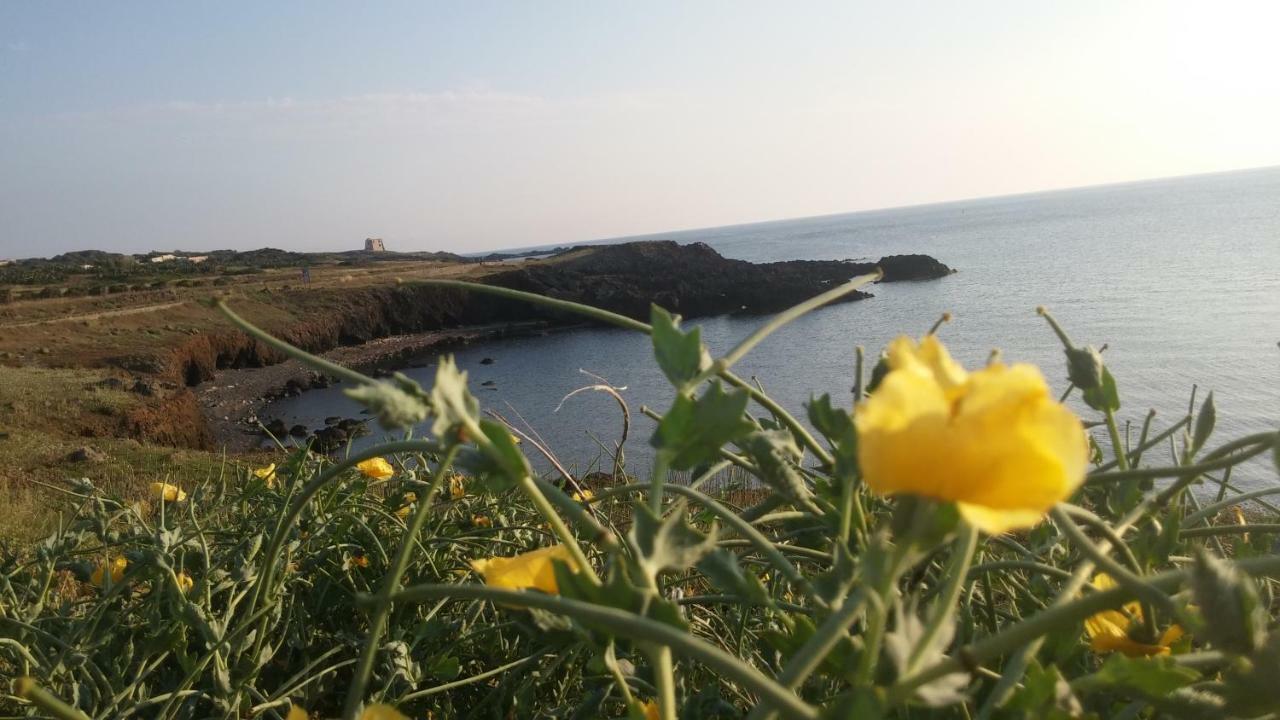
column 233, row 401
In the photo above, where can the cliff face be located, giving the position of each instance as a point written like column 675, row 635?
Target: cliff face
column 693, row 280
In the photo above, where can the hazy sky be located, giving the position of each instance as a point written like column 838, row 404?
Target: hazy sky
column 463, row 126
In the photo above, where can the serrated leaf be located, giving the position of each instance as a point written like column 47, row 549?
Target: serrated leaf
column 693, row 430
column 452, row 401
column 776, row 455
column 906, row 640
column 667, row 543
column 1151, row 676
column 721, row 567
column 681, row 355
column 1228, row 599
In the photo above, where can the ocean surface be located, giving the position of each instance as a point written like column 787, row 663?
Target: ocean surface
column 1180, row 278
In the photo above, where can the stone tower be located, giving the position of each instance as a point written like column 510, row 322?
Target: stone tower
column 374, row 245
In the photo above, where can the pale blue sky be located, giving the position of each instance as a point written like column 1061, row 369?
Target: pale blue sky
column 465, row 126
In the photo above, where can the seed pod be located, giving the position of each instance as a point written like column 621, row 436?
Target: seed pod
column 1084, row 367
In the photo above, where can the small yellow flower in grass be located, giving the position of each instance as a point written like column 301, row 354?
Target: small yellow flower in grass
column 993, row 441
column 376, row 468
column 297, row 713
column 360, row 561
column 585, row 496
column 457, row 487
column 1108, row 631
column 651, row 711
column 408, row 500
column 185, row 583
column 381, row 712
column 530, row 570
column 167, row 492
column 114, row 567
column 267, row 475
column 481, row 521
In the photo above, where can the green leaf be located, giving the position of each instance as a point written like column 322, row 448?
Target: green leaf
column 617, row 592
column 777, row 456
column 1205, row 421
column 395, row 408
column 1044, row 694
column 693, row 430
column 681, row 355
column 721, row 567
column 667, row 543
column 1228, row 599
column 452, row 402
column 1153, row 676
column 1105, row 396
column 446, row 668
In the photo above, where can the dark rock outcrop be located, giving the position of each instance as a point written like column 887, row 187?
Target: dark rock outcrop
column 695, row 280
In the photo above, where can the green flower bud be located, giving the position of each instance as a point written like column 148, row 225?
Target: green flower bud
column 1084, row 367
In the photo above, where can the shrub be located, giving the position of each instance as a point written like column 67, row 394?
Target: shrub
column 850, row 580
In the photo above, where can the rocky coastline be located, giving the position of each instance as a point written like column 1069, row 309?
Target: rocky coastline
column 693, row 280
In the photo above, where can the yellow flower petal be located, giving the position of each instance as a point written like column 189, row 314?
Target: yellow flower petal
column 185, row 583
column 530, row 570
column 381, row 712
column 268, row 475
column 457, row 487
column 376, row 468
column 994, row 441
column 585, row 496
column 481, row 521
column 115, row 568
column 1109, row 630
column 651, row 711
column 167, row 492
column 297, row 713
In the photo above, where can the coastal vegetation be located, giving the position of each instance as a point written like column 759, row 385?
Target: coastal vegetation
column 957, row 543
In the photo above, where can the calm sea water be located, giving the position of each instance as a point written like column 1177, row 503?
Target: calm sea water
column 1180, row 277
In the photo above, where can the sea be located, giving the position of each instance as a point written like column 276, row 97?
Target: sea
column 1178, row 278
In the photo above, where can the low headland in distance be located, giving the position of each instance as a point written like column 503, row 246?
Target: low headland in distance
column 117, row 366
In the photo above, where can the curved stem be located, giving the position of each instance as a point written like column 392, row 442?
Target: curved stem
column 625, row 624
column 377, row 623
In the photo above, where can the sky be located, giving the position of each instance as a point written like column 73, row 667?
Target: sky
column 137, row 126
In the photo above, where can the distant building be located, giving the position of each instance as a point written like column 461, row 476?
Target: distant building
column 163, row 258
column 374, row 245
column 5, row 262
column 197, row 259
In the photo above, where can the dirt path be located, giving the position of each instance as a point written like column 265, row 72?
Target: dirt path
column 97, row 315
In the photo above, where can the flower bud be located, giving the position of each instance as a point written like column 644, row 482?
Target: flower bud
column 1084, row 367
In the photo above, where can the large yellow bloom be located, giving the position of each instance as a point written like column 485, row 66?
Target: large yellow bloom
column 993, row 441
column 530, row 570
column 1108, row 631
column 114, row 568
column 167, row 492
column 376, row 468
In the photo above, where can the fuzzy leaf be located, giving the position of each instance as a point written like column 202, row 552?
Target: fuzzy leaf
column 452, row 402
column 667, row 543
column 681, row 355
column 694, row 430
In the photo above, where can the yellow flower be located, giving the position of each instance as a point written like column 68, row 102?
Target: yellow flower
column 409, row 500
column 268, row 475
column 297, row 713
column 167, row 492
column 114, row 567
column 530, row 570
column 585, row 496
column 1108, row 631
column 481, row 521
column 651, row 711
column 185, row 583
column 993, row 441
column 376, row 468
column 381, row 712
column 360, row 561
column 457, row 487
